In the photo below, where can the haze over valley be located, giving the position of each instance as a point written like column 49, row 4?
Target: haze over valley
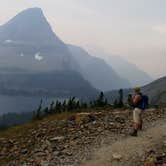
column 78, row 79
column 34, row 61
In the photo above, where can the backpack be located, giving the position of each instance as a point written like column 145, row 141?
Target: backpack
column 144, row 103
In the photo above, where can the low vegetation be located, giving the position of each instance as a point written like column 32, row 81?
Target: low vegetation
column 71, row 105
column 56, row 107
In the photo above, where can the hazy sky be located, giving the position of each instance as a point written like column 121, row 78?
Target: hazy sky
column 134, row 29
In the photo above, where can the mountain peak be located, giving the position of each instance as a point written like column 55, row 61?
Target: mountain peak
column 35, row 12
column 28, row 14
column 34, row 9
column 28, row 26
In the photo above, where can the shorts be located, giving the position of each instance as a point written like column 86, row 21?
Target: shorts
column 137, row 115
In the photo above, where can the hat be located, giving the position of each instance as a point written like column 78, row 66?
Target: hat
column 137, row 90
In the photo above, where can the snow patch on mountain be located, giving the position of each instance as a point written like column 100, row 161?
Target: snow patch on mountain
column 38, row 56
column 8, row 41
column 21, row 54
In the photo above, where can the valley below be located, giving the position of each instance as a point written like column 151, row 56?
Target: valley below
column 20, row 104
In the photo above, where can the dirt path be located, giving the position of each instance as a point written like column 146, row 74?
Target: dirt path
column 128, row 152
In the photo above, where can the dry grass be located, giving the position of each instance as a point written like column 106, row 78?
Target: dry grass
column 21, row 130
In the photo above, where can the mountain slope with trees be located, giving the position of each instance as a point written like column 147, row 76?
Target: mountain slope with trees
column 155, row 90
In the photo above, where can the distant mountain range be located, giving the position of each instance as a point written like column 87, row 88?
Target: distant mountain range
column 33, row 60
column 129, row 71
column 155, row 90
column 123, row 68
column 100, row 74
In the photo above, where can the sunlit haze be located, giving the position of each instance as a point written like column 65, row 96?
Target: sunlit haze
column 135, row 30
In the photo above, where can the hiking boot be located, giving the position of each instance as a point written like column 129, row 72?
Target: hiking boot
column 140, row 127
column 134, row 133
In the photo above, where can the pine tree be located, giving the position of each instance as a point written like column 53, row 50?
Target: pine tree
column 46, row 111
column 105, row 102
column 91, row 103
column 58, row 106
column 84, row 105
column 64, row 105
column 71, row 104
column 115, row 105
column 51, row 110
column 101, row 101
column 129, row 100
column 78, row 105
column 38, row 112
column 120, row 104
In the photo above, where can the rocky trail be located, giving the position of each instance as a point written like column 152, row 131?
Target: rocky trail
column 95, row 137
column 141, row 150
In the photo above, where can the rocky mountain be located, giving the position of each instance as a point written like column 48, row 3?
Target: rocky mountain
column 100, row 74
column 27, row 41
column 155, row 90
column 34, row 59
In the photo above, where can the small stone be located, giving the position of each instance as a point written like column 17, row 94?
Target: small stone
column 149, row 137
column 24, row 151
column 44, row 163
column 120, row 119
column 92, row 118
column 67, row 153
column 117, row 156
column 56, row 153
column 57, row 138
column 111, row 123
column 94, row 122
column 72, row 118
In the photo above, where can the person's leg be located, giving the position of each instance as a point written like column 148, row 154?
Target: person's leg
column 136, row 121
column 134, row 132
column 141, row 121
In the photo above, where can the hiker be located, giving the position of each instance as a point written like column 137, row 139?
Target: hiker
column 140, row 103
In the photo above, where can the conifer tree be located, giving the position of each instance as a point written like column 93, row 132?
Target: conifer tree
column 120, row 104
column 64, row 105
column 51, row 110
column 38, row 112
column 129, row 100
column 115, row 105
column 78, row 105
column 101, row 101
column 46, row 111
